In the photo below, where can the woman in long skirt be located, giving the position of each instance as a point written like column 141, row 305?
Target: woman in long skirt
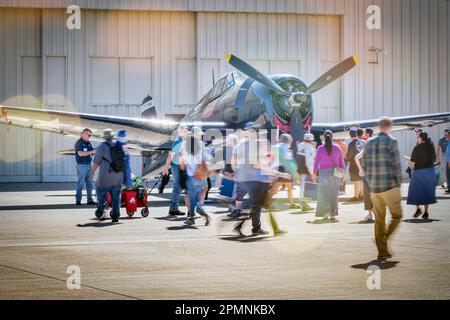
column 329, row 159
column 422, row 188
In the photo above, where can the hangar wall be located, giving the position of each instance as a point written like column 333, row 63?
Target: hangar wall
column 184, row 40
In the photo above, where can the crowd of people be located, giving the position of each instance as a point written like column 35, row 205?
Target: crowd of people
column 259, row 163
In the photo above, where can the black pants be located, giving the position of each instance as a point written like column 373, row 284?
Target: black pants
column 257, row 192
column 448, row 176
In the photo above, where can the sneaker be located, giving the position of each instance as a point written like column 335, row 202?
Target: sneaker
column 208, row 220
column 115, row 220
column 234, row 214
column 190, row 221
column 91, row 203
column 425, row 216
column 369, row 217
column 259, row 232
column 418, row 213
column 78, row 203
column 176, row 213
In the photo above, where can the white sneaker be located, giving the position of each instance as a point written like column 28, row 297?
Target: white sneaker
column 369, row 217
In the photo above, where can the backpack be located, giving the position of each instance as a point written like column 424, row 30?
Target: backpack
column 117, row 162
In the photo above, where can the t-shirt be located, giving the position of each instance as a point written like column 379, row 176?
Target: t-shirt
column 443, row 143
column 248, row 155
column 423, row 156
column 191, row 161
column 83, row 145
column 354, row 147
column 309, row 152
column 175, row 148
column 107, row 177
column 447, row 155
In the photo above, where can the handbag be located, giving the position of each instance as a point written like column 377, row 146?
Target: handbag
column 201, row 172
column 338, row 172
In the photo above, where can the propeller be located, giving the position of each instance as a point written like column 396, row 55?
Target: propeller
column 250, row 71
column 332, row 74
column 295, row 99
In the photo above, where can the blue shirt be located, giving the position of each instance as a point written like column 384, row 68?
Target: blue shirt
column 83, row 145
column 443, row 142
column 175, row 148
column 447, row 155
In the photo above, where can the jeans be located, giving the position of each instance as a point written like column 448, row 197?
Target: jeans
column 115, row 192
column 83, row 178
column 194, row 188
column 176, row 192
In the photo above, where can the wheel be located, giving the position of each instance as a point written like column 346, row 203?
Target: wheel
column 144, row 212
column 130, row 213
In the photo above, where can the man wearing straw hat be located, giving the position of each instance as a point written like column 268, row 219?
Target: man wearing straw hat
column 108, row 180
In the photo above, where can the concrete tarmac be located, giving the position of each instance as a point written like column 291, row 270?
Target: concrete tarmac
column 42, row 234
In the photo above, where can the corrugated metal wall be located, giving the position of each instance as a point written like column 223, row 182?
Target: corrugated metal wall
column 160, row 37
column 20, row 149
column 260, row 6
column 412, row 78
column 303, row 45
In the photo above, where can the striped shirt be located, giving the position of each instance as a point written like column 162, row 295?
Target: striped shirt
column 381, row 163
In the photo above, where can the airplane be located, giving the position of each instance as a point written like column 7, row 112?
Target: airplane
column 279, row 101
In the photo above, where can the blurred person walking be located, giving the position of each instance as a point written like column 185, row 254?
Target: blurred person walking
column 193, row 158
column 173, row 164
column 368, row 205
column 306, row 153
column 422, row 187
column 329, row 166
column 285, row 163
column 383, row 173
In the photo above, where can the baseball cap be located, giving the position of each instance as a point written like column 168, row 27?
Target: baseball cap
column 353, row 132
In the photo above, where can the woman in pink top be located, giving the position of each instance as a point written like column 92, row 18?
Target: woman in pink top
column 328, row 157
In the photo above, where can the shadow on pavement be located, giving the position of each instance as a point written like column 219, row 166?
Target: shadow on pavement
column 382, row 264
column 36, row 186
column 420, row 220
column 245, row 239
column 363, row 222
column 171, row 218
column 322, row 221
column 185, row 226
column 98, row 224
column 45, row 207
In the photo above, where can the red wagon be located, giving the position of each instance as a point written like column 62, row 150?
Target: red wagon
column 132, row 200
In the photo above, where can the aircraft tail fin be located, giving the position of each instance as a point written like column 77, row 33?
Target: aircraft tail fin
column 149, row 109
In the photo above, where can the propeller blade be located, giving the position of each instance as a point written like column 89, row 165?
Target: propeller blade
column 332, row 74
column 297, row 131
column 250, row 71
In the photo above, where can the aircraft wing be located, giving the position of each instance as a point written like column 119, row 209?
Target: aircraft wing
column 143, row 134
column 400, row 123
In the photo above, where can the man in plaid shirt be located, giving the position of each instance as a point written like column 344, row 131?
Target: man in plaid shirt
column 382, row 171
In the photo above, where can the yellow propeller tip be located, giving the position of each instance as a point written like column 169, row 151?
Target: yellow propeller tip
column 228, row 57
column 355, row 58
